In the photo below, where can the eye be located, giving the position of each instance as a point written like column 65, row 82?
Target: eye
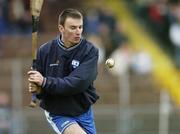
column 80, row 27
column 73, row 27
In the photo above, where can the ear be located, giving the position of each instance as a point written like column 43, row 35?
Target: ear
column 61, row 28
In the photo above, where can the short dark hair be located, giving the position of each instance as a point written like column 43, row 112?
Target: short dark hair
column 73, row 13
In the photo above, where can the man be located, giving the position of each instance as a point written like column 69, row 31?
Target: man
column 67, row 67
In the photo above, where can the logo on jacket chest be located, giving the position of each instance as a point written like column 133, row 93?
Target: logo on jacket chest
column 54, row 64
column 75, row 63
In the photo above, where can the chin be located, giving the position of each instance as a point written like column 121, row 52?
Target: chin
column 76, row 41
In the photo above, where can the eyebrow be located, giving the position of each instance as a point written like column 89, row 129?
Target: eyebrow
column 76, row 25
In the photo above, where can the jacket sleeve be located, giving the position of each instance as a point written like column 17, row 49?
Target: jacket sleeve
column 39, row 68
column 78, row 80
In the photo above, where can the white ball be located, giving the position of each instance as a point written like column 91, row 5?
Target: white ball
column 110, row 63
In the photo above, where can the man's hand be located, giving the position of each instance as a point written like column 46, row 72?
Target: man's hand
column 35, row 81
column 33, row 88
column 35, row 77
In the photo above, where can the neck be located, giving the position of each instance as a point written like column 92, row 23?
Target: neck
column 66, row 44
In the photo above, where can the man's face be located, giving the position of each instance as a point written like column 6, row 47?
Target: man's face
column 71, row 31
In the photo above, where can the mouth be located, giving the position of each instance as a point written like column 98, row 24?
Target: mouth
column 77, row 38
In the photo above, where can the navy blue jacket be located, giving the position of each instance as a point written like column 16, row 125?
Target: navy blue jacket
column 68, row 89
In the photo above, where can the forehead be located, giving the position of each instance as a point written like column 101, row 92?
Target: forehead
column 73, row 21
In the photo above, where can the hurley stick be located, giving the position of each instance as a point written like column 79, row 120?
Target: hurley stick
column 36, row 6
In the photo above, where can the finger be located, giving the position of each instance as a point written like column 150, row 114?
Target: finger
column 34, row 77
column 32, row 84
column 33, row 88
column 30, row 89
column 32, row 72
column 32, row 80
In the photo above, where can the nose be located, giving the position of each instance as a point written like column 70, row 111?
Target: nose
column 78, row 31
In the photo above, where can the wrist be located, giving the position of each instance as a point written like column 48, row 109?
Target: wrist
column 44, row 82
